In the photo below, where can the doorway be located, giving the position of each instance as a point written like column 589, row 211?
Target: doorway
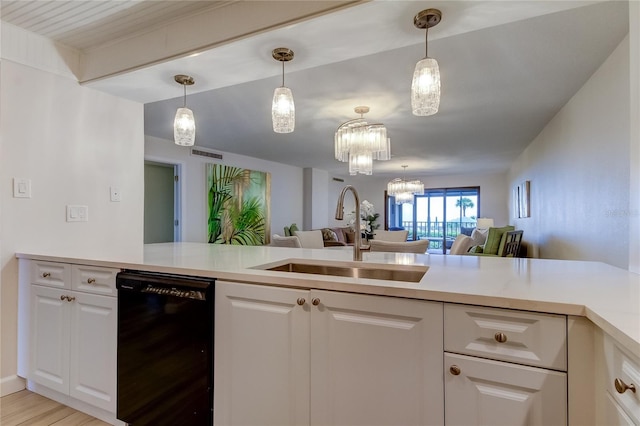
column 161, row 202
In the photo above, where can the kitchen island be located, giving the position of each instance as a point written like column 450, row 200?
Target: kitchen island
column 607, row 296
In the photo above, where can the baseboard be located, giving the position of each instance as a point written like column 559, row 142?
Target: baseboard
column 11, row 384
column 96, row 412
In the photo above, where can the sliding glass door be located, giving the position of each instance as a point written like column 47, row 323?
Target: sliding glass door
column 439, row 215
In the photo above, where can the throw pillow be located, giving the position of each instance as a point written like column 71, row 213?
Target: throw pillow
column 293, row 228
column 478, row 237
column 494, row 237
column 350, row 237
column 287, row 231
column 329, row 235
column 475, row 249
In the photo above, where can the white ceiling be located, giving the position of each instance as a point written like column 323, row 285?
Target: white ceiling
column 507, row 67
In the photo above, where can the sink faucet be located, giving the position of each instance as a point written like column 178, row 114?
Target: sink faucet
column 357, row 253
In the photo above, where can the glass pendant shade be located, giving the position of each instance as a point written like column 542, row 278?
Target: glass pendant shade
column 403, row 190
column 404, row 198
column 184, row 127
column 283, row 111
column 361, row 163
column 359, row 143
column 425, row 88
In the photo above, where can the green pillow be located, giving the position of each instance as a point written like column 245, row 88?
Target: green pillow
column 494, row 238
column 475, row 249
column 287, row 231
column 293, row 228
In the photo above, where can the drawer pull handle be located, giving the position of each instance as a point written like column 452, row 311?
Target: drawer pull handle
column 68, row 298
column 46, row 274
column 91, row 280
column 300, row 301
column 622, row 387
column 500, row 337
column 315, row 301
column 455, row 370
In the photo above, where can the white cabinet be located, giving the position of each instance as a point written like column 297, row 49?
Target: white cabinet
column 493, row 360
column 286, row 356
column 618, row 383
column 73, row 333
column 486, row 392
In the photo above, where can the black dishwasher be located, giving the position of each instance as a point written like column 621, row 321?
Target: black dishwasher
column 165, row 349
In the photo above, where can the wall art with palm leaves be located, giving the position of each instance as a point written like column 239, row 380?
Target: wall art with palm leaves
column 239, row 205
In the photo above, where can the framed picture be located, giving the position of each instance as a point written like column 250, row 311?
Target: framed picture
column 521, row 200
column 238, row 205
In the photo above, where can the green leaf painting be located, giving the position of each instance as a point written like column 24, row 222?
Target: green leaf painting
column 239, row 207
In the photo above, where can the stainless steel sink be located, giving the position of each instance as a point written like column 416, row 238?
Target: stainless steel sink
column 408, row 273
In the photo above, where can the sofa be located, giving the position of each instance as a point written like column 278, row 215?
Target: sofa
column 502, row 242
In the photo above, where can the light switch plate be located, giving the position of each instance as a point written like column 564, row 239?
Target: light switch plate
column 77, row 213
column 21, row 188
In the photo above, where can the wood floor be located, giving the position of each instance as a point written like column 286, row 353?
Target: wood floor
column 27, row 408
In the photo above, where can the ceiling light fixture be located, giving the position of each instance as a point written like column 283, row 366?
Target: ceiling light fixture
column 283, row 111
column 403, row 190
column 425, row 87
column 359, row 143
column 184, row 125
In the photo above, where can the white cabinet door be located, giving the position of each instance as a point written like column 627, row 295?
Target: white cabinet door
column 613, row 413
column 93, row 346
column 375, row 360
column 261, row 374
column 49, row 363
column 487, row 392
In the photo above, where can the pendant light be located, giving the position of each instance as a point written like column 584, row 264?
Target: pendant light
column 403, row 190
column 359, row 143
column 283, row 111
column 184, row 125
column 425, row 87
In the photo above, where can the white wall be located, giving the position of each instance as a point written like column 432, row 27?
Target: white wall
column 73, row 143
column 579, row 172
column 315, row 192
column 286, row 186
column 634, row 157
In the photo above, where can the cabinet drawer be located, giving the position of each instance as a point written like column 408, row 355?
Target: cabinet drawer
column 486, row 392
column 51, row 274
column 525, row 338
column 94, row 279
column 621, row 365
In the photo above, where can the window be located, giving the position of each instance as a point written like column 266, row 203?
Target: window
column 439, row 215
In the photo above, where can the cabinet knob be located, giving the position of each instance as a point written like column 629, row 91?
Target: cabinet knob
column 315, row 301
column 91, row 280
column 622, row 387
column 46, row 274
column 63, row 297
column 500, row 337
column 455, row 370
column 71, row 298
column 300, row 301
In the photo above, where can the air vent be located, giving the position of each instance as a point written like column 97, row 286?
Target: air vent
column 204, row 153
column 338, row 179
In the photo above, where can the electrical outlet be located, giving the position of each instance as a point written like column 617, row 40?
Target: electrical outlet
column 115, row 194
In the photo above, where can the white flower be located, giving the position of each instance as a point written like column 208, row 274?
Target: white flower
column 366, row 209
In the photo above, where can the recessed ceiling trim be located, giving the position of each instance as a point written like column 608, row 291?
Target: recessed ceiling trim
column 201, row 32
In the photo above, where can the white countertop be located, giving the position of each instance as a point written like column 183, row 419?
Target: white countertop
column 608, row 296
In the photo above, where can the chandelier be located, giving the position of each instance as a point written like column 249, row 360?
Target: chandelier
column 359, row 143
column 184, row 125
column 403, row 190
column 425, row 87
